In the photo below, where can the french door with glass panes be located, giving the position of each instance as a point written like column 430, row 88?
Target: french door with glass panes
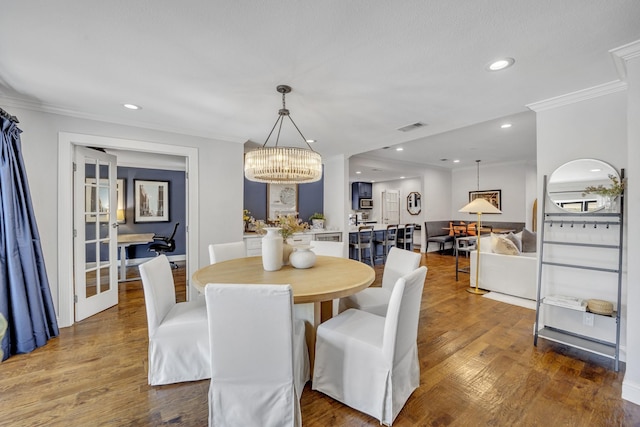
column 95, row 231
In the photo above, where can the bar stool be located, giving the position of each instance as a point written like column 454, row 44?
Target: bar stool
column 405, row 238
column 364, row 241
column 387, row 241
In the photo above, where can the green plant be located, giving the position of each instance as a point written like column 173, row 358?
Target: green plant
column 316, row 216
column 616, row 188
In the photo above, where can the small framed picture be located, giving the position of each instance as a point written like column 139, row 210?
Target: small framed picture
column 151, row 201
column 282, row 199
column 491, row 196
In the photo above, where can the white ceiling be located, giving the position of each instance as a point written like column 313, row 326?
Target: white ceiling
column 359, row 69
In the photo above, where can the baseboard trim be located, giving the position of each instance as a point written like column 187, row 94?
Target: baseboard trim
column 631, row 391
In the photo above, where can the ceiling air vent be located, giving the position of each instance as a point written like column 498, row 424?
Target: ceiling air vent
column 412, row 126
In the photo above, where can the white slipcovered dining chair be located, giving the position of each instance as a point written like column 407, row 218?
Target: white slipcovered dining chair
column 375, row 299
column 219, row 252
column 178, row 332
column 327, row 248
column 370, row 362
column 259, row 356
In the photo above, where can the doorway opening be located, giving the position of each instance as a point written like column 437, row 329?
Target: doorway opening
column 66, row 148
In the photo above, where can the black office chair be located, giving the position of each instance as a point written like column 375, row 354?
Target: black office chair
column 165, row 244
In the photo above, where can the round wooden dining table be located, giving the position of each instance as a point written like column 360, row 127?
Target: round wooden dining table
column 329, row 278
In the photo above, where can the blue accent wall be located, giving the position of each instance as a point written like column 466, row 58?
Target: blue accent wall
column 310, row 199
column 177, row 209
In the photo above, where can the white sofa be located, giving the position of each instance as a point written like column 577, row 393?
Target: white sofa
column 508, row 274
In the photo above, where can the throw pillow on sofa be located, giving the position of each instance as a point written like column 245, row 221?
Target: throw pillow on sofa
column 503, row 246
column 528, row 241
column 516, row 241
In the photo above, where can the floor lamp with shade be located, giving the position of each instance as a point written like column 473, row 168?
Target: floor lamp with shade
column 479, row 206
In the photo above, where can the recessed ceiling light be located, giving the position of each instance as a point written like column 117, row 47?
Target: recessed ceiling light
column 596, row 170
column 399, row 149
column 501, row 64
column 505, row 125
column 456, row 161
column 311, row 141
column 358, row 172
column 373, row 180
column 132, row 106
column 402, row 177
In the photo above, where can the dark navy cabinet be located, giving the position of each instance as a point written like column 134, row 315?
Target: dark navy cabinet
column 360, row 190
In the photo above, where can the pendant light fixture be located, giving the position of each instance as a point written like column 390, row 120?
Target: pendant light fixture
column 283, row 165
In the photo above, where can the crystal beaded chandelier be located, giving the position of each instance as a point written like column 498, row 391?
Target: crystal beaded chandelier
column 283, row 165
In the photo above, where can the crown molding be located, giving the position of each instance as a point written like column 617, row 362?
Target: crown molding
column 623, row 54
column 52, row 109
column 578, row 96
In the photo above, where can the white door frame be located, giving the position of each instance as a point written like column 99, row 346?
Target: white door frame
column 66, row 141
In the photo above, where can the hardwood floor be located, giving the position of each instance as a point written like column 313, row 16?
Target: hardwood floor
column 478, row 367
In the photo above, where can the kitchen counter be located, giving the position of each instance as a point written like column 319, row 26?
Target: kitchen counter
column 379, row 230
column 376, row 227
column 253, row 241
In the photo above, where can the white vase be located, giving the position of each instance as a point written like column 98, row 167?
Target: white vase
column 302, row 257
column 272, row 249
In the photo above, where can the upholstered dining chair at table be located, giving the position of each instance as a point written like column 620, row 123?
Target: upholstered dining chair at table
column 370, row 362
column 387, row 240
column 328, row 248
column 178, row 332
column 400, row 262
column 405, row 237
column 259, row 356
column 219, row 252
column 363, row 242
column 441, row 240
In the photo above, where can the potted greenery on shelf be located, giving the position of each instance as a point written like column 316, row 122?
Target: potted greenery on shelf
column 317, row 221
column 609, row 194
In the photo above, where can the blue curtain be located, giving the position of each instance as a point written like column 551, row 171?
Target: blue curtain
column 25, row 296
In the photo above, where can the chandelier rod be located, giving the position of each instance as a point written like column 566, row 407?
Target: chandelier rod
column 284, row 89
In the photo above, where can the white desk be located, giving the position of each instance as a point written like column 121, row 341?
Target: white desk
column 126, row 240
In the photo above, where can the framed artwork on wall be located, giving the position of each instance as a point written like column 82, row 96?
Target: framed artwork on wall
column 151, row 201
column 492, row 196
column 282, row 199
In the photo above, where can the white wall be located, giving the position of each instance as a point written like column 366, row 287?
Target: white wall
column 631, row 383
column 512, row 179
column 436, row 199
column 589, row 124
column 337, row 201
column 404, row 186
column 220, row 179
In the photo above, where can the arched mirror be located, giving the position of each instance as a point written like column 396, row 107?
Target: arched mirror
column 567, row 184
column 414, row 204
